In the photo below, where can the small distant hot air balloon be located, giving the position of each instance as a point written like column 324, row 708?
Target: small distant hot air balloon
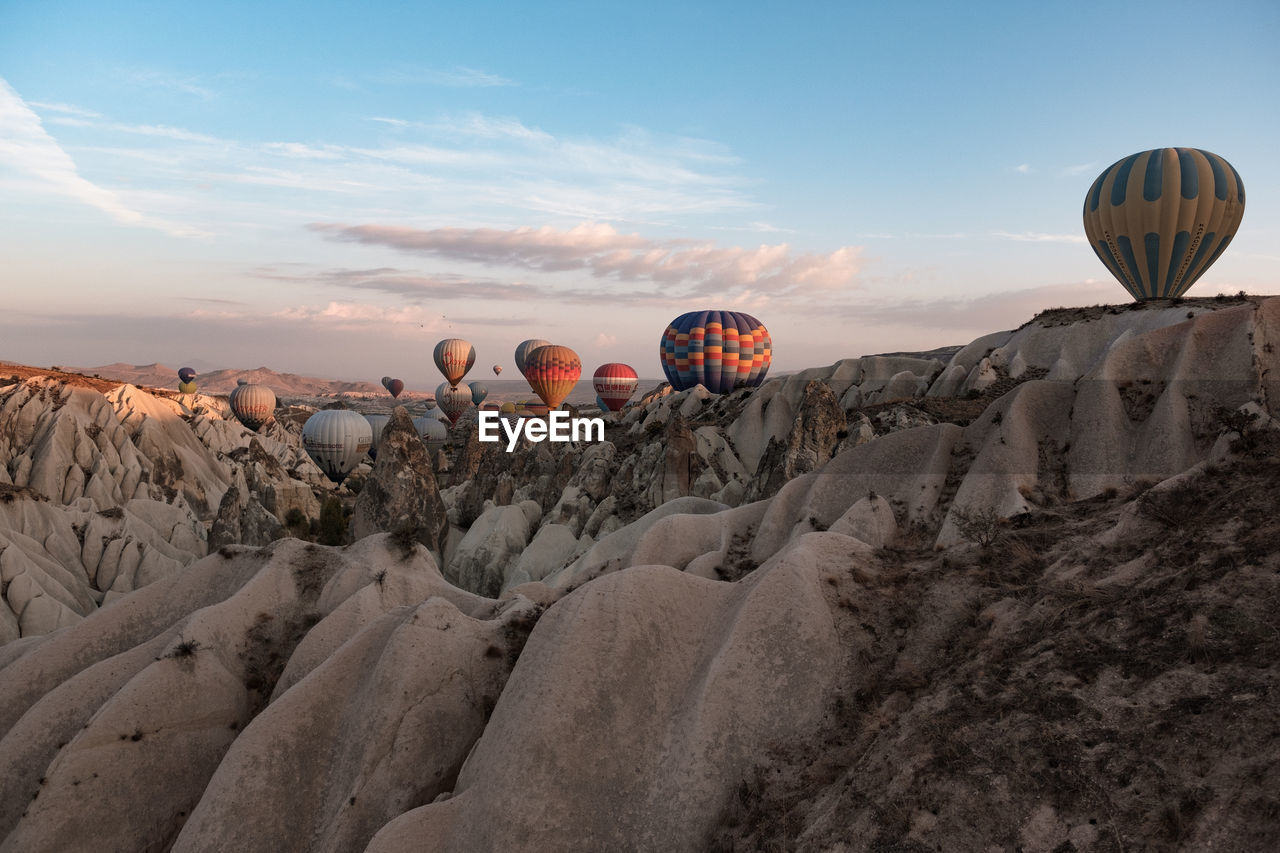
column 186, row 374
column 497, row 370
column 187, row 387
column 453, row 400
column 601, row 405
column 524, row 350
column 336, row 440
column 252, row 405
column 507, row 408
column 719, row 350
column 1158, row 219
column 552, row 372
column 615, row 383
column 478, row 392
column 454, row 357
column 433, row 431
column 376, row 423
column 394, row 387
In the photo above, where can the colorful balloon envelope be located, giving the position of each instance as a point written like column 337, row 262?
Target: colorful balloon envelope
column 1158, row 219
column 478, row 392
column 433, row 431
column 453, row 400
column 615, row 383
column 552, row 371
column 497, row 370
column 337, row 440
column 187, row 387
column 454, row 357
column 252, row 404
column 376, row 423
column 719, row 350
column 525, row 349
column 186, row 374
column 394, row 387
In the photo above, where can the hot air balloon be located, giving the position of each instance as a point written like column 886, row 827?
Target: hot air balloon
column 720, row 350
column 395, row 386
column 507, row 408
column 336, row 440
column 533, row 409
column 1158, row 219
column 478, row 392
column 497, row 370
column 252, row 404
column 376, row 423
column 453, row 400
column 187, row 387
column 552, row 372
column 615, row 383
column 525, row 349
column 433, row 431
column 186, row 374
column 454, row 357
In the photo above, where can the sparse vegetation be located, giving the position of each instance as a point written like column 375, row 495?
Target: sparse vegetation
column 333, row 523
column 980, row 526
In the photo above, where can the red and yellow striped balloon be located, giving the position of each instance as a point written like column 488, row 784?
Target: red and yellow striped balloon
column 552, row 372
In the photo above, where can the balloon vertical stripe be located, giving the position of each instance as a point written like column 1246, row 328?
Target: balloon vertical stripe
column 720, row 350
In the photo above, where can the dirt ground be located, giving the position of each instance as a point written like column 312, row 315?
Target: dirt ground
column 1104, row 677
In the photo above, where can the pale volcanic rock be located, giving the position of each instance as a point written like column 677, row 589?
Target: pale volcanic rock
column 401, row 494
column 807, row 446
column 178, row 459
column 665, row 684
column 243, row 520
column 273, row 792
column 870, row 519
column 614, row 551
column 490, row 548
column 551, row 548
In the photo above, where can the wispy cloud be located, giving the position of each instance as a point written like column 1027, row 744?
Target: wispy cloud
column 66, row 109
column 460, row 77
column 1079, row 169
column 186, row 84
column 414, row 287
column 1023, row 168
column 1039, row 237
column 601, row 251
column 28, row 150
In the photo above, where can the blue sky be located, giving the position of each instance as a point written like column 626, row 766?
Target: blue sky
column 329, row 190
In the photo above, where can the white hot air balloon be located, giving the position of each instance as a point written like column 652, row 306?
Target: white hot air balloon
column 433, row 432
column 336, row 440
column 453, row 400
column 376, row 423
column 252, row 404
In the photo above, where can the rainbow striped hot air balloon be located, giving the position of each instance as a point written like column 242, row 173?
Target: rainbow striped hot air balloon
column 454, row 357
column 552, row 371
column 719, row 350
column 1158, row 219
column 615, row 383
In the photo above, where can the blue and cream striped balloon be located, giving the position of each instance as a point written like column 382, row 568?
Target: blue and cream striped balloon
column 720, row 350
column 1158, row 219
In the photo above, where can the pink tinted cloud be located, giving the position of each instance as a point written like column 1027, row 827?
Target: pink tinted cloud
column 597, row 248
